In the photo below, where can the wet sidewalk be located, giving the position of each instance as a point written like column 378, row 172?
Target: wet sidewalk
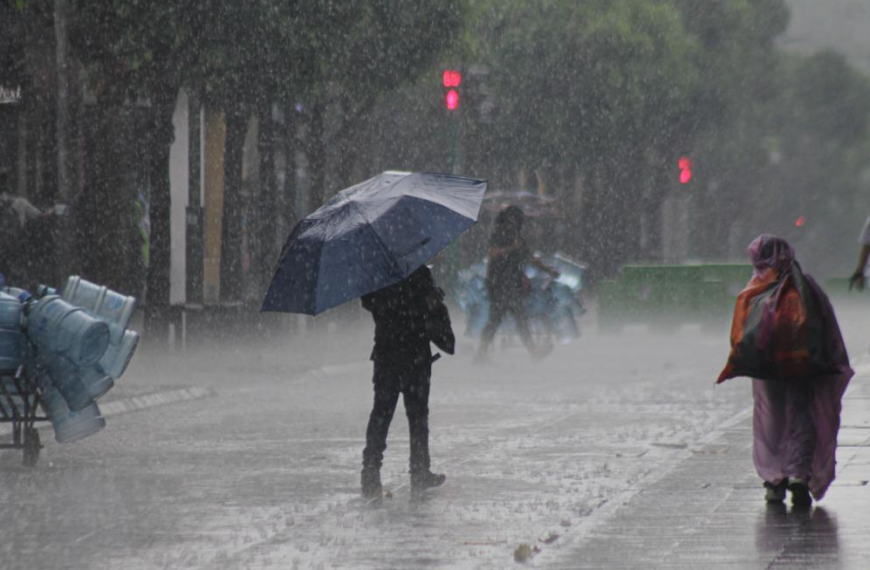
column 709, row 511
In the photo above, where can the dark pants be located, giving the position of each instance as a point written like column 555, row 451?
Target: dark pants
column 499, row 307
column 412, row 382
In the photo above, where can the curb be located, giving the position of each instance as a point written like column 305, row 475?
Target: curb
column 126, row 405
column 135, row 403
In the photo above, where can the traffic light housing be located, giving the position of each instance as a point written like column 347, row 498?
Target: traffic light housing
column 685, row 166
column 451, row 79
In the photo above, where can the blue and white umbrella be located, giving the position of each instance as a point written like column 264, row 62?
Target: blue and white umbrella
column 370, row 236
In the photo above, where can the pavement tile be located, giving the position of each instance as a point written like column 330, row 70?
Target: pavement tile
column 708, row 512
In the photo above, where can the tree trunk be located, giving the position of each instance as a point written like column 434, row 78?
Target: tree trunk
column 194, row 231
column 345, row 167
column 231, row 227
column 266, row 247
column 63, row 234
column 102, row 212
column 157, row 285
column 347, row 142
column 289, row 213
column 61, row 21
column 316, row 152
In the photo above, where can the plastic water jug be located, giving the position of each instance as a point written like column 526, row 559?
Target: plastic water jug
column 116, row 358
column 114, row 308
column 96, row 381
column 69, row 426
column 56, row 327
column 19, row 294
column 66, row 378
column 79, row 385
column 45, row 291
column 11, row 337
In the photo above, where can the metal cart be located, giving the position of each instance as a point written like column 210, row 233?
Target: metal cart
column 19, row 406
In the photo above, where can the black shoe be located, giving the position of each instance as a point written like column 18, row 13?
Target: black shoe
column 422, row 480
column 775, row 493
column 370, row 480
column 800, row 493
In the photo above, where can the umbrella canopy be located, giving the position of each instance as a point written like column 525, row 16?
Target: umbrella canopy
column 370, row 236
column 533, row 205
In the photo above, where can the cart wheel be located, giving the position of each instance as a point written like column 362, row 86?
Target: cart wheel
column 31, row 447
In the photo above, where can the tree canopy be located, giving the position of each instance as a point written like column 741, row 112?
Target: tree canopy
column 598, row 98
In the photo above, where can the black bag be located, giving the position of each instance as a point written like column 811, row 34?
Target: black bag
column 438, row 327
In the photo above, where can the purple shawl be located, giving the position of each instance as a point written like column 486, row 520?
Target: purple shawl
column 771, row 436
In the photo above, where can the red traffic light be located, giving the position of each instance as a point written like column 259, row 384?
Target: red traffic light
column 452, row 100
column 685, row 166
column 451, row 78
column 800, row 221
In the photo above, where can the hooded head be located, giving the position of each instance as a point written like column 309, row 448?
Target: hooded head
column 770, row 252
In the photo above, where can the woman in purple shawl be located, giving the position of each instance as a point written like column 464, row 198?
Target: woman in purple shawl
column 796, row 420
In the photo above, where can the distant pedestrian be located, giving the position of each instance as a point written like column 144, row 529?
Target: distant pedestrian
column 16, row 222
column 858, row 278
column 786, row 337
column 507, row 286
column 407, row 315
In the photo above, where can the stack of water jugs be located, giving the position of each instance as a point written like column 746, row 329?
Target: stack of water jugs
column 12, row 350
column 78, row 343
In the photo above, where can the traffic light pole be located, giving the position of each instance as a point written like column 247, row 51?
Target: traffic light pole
column 455, row 142
column 451, row 79
column 450, row 257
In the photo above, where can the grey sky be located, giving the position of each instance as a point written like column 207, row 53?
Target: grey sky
column 840, row 24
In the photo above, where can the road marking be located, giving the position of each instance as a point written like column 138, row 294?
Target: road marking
column 135, row 403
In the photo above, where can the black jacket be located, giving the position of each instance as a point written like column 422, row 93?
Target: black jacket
column 408, row 315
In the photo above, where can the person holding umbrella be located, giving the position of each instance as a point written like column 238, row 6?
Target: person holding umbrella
column 407, row 315
column 506, row 283
column 372, row 241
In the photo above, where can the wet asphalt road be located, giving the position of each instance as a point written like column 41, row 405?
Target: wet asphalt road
column 264, row 474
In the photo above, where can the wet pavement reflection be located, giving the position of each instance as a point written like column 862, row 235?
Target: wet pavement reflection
column 798, row 536
column 709, row 512
column 633, row 469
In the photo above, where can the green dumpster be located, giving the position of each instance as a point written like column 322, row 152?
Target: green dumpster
column 671, row 295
